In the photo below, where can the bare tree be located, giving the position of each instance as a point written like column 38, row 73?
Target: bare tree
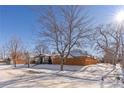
column 119, row 46
column 40, row 48
column 103, row 42
column 27, row 58
column 111, row 41
column 14, row 47
column 64, row 30
column 3, row 52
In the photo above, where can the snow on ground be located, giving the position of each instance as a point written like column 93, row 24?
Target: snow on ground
column 49, row 76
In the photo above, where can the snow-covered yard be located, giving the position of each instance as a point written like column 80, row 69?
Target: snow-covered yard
column 46, row 76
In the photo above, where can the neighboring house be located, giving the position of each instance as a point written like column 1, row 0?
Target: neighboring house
column 1, row 61
column 5, row 61
column 39, row 59
column 43, row 59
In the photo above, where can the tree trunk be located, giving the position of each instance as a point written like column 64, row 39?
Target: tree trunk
column 61, row 65
column 122, row 69
column 28, row 63
column 114, row 60
column 14, row 63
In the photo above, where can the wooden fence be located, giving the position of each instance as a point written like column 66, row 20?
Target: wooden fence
column 83, row 60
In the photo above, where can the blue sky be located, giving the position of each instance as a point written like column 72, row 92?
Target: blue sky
column 21, row 21
column 17, row 21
